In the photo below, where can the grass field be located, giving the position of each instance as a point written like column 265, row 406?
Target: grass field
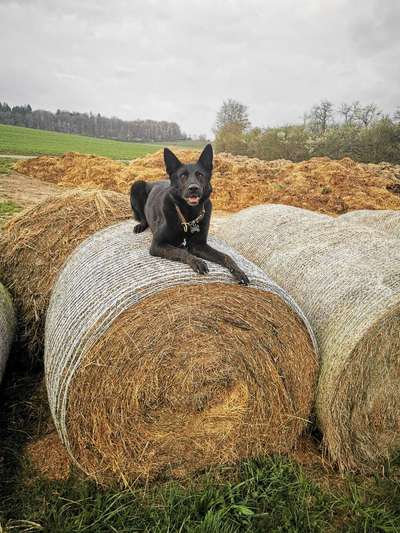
column 16, row 140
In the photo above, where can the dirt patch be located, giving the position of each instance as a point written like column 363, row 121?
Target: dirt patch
column 25, row 191
column 320, row 184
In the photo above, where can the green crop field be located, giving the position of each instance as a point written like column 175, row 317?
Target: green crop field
column 26, row 141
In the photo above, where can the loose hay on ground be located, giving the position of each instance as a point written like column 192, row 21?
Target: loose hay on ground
column 154, row 370
column 49, row 457
column 36, row 243
column 320, row 184
column 7, row 327
column 347, row 280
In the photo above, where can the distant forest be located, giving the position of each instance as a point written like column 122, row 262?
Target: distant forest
column 90, row 124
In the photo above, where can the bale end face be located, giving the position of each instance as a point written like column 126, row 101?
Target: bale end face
column 189, row 377
column 363, row 431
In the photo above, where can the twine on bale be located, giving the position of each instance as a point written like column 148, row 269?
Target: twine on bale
column 7, row 327
column 386, row 220
column 35, row 244
column 346, row 278
column 152, row 369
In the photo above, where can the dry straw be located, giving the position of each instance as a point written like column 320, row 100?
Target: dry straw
column 386, row 220
column 36, row 243
column 154, row 370
column 346, row 278
column 7, row 326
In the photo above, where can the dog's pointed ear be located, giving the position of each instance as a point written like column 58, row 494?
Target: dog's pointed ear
column 172, row 163
column 206, row 158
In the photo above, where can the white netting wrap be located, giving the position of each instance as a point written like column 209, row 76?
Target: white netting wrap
column 7, row 327
column 346, row 278
column 386, row 220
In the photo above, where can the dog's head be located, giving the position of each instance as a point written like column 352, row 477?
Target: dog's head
column 192, row 182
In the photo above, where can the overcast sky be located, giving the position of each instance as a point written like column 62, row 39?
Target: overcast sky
column 178, row 60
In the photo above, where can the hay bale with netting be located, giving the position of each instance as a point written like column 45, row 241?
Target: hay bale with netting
column 154, row 370
column 346, row 278
column 36, row 243
column 7, row 327
column 386, row 221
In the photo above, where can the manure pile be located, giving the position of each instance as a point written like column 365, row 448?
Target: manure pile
column 346, row 278
column 35, row 244
column 320, row 184
column 154, row 370
column 7, row 326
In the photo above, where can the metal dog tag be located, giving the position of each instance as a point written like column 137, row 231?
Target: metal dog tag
column 194, row 228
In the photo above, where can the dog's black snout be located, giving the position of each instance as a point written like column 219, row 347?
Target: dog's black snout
column 193, row 189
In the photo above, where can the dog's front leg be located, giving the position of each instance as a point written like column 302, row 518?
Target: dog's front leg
column 167, row 251
column 208, row 253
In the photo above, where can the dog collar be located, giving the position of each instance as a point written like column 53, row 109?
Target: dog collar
column 192, row 225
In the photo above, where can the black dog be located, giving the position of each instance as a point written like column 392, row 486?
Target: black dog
column 178, row 213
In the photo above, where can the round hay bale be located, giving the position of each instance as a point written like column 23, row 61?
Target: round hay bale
column 36, row 243
column 386, row 220
column 346, row 278
column 152, row 369
column 7, row 326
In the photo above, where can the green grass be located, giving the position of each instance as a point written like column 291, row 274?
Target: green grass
column 266, row 495
column 6, row 165
column 26, row 141
column 7, row 209
column 191, row 144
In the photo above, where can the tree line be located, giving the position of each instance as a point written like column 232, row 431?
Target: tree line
column 93, row 125
column 362, row 132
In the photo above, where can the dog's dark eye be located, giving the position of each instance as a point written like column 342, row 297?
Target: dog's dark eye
column 184, row 176
column 199, row 174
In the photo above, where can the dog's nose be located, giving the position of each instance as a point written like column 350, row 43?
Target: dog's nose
column 193, row 189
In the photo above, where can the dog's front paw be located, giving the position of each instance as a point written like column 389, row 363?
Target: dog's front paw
column 199, row 266
column 240, row 276
column 140, row 227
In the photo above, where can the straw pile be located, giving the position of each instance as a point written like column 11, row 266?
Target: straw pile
column 320, row 184
column 346, row 278
column 72, row 169
column 36, row 243
column 7, row 326
column 386, row 221
column 154, row 370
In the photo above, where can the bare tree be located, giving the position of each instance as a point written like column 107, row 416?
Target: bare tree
column 347, row 112
column 232, row 113
column 321, row 116
column 368, row 114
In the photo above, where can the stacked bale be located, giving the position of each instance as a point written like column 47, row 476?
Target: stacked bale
column 36, row 243
column 7, row 326
column 152, row 369
column 346, row 277
column 386, row 220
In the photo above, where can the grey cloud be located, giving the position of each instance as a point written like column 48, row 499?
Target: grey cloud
column 177, row 60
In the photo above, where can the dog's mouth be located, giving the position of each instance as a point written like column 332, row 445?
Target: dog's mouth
column 193, row 200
